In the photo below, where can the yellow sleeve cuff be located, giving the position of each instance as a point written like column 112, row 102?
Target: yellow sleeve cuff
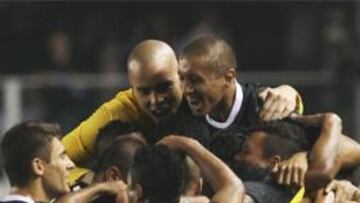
column 76, row 174
column 298, row 196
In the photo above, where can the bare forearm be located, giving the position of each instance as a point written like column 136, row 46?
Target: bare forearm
column 84, row 196
column 216, row 172
column 325, row 150
column 324, row 162
column 349, row 152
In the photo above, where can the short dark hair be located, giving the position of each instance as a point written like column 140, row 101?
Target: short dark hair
column 161, row 172
column 219, row 54
column 21, row 144
column 182, row 123
column 284, row 137
column 120, row 154
column 111, row 132
column 225, row 146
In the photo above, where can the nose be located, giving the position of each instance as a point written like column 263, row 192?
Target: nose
column 154, row 98
column 69, row 163
column 188, row 89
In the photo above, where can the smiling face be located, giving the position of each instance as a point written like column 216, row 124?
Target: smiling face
column 203, row 88
column 157, row 87
column 57, row 170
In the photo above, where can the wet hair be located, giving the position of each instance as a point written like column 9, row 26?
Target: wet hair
column 24, row 142
column 284, row 138
column 161, row 172
column 218, row 54
column 112, row 131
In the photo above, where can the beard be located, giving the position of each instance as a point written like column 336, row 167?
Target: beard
column 249, row 173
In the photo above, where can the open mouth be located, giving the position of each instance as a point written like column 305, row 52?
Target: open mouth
column 194, row 104
column 160, row 112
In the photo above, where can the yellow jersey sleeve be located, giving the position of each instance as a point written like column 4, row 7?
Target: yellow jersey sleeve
column 80, row 142
column 299, row 108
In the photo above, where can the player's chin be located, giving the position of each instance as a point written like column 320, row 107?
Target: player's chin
column 198, row 110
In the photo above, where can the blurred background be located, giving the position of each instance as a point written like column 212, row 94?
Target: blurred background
column 60, row 61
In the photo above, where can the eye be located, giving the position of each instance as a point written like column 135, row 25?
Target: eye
column 194, row 79
column 181, row 77
column 144, row 91
column 246, row 148
column 164, row 87
column 63, row 155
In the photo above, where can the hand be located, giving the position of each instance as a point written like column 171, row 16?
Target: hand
column 278, row 102
column 115, row 187
column 292, row 171
column 122, row 197
column 344, row 190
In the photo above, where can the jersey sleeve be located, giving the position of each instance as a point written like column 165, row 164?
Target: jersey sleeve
column 80, row 142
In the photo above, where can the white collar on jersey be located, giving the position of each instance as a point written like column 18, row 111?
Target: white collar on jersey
column 234, row 110
column 17, row 197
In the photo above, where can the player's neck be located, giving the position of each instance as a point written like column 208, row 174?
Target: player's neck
column 34, row 190
column 222, row 110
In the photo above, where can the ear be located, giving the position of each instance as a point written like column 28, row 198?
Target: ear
column 274, row 160
column 200, row 184
column 229, row 77
column 138, row 192
column 37, row 166
column 112, row 174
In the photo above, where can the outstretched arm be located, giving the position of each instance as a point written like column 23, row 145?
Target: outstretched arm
column 323, row 162
column 227, row 186
column 116, row 189
column 80, row 142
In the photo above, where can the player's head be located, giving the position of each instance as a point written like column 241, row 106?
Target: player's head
column 207, row 68
column 114, row 131
column 32, row 153
column 115, row 162
column 268, row 143
column 153, row 74
column 161, row 174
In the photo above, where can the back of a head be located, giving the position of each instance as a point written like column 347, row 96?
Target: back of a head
column 120, row 154
column 284, row 137
column 113, row 131
column 161, row 173
column 21, row 144
column 219, row 55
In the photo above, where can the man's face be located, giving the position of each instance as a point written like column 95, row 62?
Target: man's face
column 251, row 153
column 250, row 163
column 57, row 170
column 203, row 88
column 158, row 89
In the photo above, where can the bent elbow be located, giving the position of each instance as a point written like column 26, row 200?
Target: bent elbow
column 333, row 118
